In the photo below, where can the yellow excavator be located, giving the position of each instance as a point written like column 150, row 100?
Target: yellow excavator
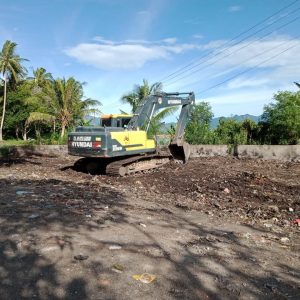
column 120, row 146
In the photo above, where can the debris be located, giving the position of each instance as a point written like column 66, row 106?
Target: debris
column 285, row 240
column 114, row 247
column 226, row 191
column 81, row 257
column 143, row 225
column 118, row 268
column 296, row 222
column 268, row 225
column 274, row 208
column 145, row 277
column 88, row 216
column 104, row 282
column 21, row 193
column 291, row 209
column 34, row 216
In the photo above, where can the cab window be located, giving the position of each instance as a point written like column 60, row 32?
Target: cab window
column 106, row 122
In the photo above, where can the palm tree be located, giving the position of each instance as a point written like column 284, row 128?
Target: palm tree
column 11, row 70
column 40, row 79
column 135, row 97
column 139, row 92
column 64, row 97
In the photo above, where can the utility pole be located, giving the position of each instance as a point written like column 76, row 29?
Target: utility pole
column 3, row 109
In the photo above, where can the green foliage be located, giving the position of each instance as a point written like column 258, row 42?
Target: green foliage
column 156, row 121
column 281, row 119
column 139, row 92
column 135, row 97
column 198, row 130
column 230, row 132
column 11, row 63
column 12, row 70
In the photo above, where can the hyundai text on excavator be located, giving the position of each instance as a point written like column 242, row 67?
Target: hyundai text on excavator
column 120, row 146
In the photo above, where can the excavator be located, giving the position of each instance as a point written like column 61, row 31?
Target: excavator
column 120, row 146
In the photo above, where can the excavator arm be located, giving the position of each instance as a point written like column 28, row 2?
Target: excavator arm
column 153, row 103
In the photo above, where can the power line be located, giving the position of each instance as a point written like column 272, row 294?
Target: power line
column 248, row 70
column 233, row 52
column 181, row 70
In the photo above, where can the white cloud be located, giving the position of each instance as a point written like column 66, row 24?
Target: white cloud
column 198, row 36
column 130, row 54
column 253, row 53
column 170, row 40
column 234, row 8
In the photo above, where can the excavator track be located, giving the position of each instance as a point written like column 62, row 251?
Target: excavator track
column 136, row 164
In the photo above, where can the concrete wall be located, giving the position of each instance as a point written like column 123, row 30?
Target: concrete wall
column 208, row 150
column 38, row 150
column 279, row 152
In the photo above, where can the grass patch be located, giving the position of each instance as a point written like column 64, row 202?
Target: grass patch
column 12, row 143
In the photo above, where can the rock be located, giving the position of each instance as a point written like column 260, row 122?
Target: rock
column 226, row 191
column 81, row 257
column 114, row 247
column 274, row 208
column 268, row 225
column 285, row 240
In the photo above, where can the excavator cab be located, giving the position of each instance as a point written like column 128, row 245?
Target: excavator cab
column 115, row 120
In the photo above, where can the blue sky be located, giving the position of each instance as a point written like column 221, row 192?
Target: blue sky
column 113, row 44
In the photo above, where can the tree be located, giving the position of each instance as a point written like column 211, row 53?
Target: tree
column 198, row 129
column 230, row 132
column 282, row 118
column 41, row 78
column 11, row 70
column 135, row 97
column 64, row 100
column 139, row 92
column 251, row 129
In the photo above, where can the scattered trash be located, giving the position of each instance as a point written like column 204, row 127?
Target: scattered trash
column 145, row 277
column 118, row 268
column 285, row 240
column 291, row 209
column 88, row 216
column 114, row 247
column 268, row 225
column 34, row 216
column 21, row 193
column 226, row 190
column 296, row 222
column 81, row 257
column 143, row 225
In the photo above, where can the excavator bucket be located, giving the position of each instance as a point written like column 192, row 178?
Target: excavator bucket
column 180, row 152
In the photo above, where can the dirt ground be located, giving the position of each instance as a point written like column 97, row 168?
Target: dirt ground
column 217, row 228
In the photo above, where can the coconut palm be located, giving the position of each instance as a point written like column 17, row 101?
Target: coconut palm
column 66, row 103
column 139, row 92
column 40, row 78
column 135, row 97
column 11, row 70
